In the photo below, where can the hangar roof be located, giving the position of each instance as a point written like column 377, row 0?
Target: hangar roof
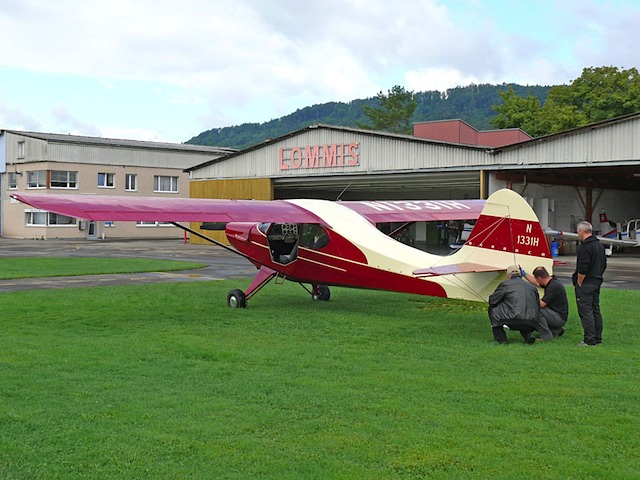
column 113, row 142
column 335, row 128
column 605, row 154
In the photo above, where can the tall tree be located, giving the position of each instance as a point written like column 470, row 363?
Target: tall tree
column 394, row 114
column 518, row 112
column 598, row 94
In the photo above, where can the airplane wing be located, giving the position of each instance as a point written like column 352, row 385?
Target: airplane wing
column 604, row 240
column 154, row 209
column 465, row 267
column 383, row 211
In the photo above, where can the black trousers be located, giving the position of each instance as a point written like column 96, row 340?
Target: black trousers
column 526, row 331
column 588, row 302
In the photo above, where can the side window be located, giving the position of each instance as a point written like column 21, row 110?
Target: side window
column 313, row 236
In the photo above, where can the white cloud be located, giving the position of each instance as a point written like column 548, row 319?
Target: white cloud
column 67, row 121
column 254, row 60
column 12, row 118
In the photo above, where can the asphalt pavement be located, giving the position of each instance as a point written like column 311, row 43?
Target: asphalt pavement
column 623, row 269
column 220, row 263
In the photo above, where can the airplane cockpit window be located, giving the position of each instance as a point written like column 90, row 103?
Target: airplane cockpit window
column 285, row 238
column 283, row 242
column 264, row 227
column 313, row 236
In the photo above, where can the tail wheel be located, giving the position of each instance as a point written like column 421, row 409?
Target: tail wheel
column 321, row 293
column 236, row 299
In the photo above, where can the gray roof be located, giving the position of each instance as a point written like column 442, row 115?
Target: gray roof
column 113, row 142
column 316, row 126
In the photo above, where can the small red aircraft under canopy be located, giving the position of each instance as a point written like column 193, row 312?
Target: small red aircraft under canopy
column 324, row 243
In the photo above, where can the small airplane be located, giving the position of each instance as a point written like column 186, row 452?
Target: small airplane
column 322, row 243
column 612, row 234
column 630, row 231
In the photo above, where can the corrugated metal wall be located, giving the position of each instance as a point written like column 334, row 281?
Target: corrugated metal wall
column 74, row 152
column 246, row 189
column 377, row 154
column 126, row 156
column 614, row 143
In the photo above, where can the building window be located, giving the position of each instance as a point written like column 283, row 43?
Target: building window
column 21, row 149
column 106, row 180
column 13, row 180
column 55, row 219
column 64, row 179
column 36, row 218
column 131, row 182
column 41, row 218
column 165, row 184
column 37, row 179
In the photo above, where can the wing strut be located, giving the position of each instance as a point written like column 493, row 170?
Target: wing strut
column 215, row 242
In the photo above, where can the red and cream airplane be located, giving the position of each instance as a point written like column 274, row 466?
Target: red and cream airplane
column 324, row 243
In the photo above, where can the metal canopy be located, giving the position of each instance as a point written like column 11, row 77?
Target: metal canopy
column 605, row 177
column 397, row 185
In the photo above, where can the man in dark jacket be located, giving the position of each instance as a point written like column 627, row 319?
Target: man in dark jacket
column 516, row 304
column 591, row 263
column 554, row 306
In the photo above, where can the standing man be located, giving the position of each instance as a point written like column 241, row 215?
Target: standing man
column 516, row 304
column 554, row 306
column 591, row 263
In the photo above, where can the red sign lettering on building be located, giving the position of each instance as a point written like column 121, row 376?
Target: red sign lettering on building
column 320, row 156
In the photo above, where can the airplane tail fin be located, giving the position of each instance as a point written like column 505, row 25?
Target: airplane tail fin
column 607, row 229
column 506, row 233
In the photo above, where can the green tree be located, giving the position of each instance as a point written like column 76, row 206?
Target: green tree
column 601, row 93
column 394, row 114
column 598, row 94
column 518, row 112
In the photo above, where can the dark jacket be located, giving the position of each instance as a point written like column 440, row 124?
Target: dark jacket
column 515, row 301
column 591, row 260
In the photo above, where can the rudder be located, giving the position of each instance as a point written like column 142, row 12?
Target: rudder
column 508, row 232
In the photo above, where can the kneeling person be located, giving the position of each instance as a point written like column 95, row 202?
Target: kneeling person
column 554, row 306
column 516, row 304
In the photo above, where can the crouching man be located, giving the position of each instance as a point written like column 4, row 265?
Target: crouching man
column 516, row 304
column 554, row 306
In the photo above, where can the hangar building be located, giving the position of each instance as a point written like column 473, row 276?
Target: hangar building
column 566, row 177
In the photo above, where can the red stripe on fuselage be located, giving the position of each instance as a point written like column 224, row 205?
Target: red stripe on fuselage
column 339, row 263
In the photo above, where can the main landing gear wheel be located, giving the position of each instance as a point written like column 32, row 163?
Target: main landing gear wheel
column 236, row 299
column 322, row 293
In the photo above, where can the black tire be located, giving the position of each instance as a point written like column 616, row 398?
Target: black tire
column 236, row 299
column 323, row 293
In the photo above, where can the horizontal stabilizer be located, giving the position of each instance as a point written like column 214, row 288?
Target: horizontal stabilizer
column 452, row 269
column 605, row 240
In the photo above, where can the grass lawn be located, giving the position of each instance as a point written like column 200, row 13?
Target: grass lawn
column 19, row 267
column 165, row 381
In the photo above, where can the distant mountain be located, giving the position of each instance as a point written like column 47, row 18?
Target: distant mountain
column 472, row 103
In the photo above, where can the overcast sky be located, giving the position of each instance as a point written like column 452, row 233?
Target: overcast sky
column 167, row 70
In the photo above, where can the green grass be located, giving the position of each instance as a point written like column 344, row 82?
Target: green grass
column 19, row 267
column 165, row 381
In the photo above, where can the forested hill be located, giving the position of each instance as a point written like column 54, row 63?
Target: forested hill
column 473, row 104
